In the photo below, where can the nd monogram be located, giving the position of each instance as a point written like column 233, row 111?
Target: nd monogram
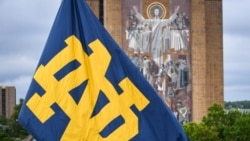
column 83, row 125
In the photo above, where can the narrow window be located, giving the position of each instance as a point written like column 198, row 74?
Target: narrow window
column 101, row 11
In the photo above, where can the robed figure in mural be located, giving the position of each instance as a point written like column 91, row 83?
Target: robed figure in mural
column 159, row 32
column 161, row 44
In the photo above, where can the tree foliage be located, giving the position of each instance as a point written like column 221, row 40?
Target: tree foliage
column 16, row 130
column 10, row 128
column 220, row 125
column 237, row 104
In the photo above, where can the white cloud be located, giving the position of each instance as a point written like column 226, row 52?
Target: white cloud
column 236, row 55
column 236, row 50
column 236, row 61
column 237, row 93
column 13, row 67
column 25, row 26
column 235, row 17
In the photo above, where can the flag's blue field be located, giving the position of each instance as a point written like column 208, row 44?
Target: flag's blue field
column 85, row 88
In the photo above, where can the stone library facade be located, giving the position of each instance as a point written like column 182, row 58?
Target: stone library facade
column 176, row 44
column 7, row 100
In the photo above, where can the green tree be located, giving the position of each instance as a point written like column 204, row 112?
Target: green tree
column 3, row 120
column 16, row 130
column 237, row 104
column 242, row 127
column 4, row 129
column 4, row 136
column 199, row 132
column 220, row 125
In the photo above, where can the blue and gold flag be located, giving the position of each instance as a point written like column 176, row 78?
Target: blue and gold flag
column 85, row 88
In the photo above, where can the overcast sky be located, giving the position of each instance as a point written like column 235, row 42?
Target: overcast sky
column 25, row 26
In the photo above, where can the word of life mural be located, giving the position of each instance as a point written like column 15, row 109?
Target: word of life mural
column 159, row 46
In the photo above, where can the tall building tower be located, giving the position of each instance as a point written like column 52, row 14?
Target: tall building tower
column 7, row 100
column 207, row 55
column 177, row 44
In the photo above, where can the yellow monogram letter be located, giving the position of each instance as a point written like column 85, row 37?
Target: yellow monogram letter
column 82, row 126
